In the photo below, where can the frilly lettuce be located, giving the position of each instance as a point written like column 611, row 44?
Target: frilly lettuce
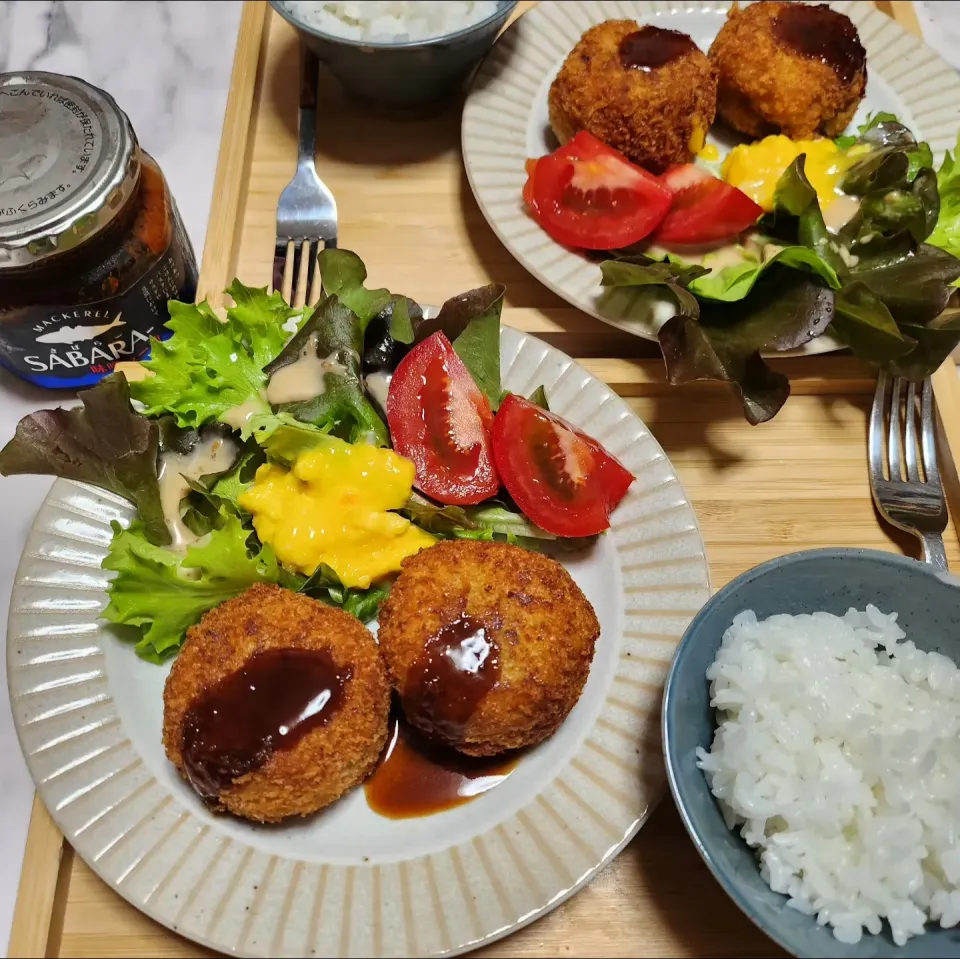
column 946, row 234
column 104, row 442
column 210, row 366
column 162, row 593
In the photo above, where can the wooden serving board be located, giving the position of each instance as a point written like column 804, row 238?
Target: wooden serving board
column 795, row 483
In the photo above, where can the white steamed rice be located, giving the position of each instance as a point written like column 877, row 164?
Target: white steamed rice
column 838, row 756
column 374, row 21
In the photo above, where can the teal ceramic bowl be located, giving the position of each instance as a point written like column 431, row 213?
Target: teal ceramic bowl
column 829, row 579
column 414, row 77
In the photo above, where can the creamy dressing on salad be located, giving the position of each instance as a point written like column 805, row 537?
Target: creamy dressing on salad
column 378, row 386
column 714, row 257
column 305, row 377
column 839, row 213
column 177, row 470
column 238, row 417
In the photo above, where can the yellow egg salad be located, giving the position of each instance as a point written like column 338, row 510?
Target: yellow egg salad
column 755, row 168
column 333, row 508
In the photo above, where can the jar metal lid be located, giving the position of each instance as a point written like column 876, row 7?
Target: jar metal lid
column 69, row 160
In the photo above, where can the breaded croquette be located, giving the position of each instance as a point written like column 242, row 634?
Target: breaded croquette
column 276, row 705
column 788, row 67
column 647, row 92
column 488, row 645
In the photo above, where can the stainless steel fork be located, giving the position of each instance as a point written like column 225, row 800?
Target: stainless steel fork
column 908, row 492
column 307, row 211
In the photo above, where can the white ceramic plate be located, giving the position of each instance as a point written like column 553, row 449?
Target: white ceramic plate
column 505, row 120
column 348, row 882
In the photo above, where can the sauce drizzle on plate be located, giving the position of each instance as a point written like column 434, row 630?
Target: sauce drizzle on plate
column 268, row 704
column 417, row 778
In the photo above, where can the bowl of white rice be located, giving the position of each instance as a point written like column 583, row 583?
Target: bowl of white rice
column 407, row 56
column 811, row 727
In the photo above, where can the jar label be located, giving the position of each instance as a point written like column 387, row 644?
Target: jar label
column 66, row 346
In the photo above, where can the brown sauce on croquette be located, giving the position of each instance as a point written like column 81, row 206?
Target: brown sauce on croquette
column 269, row 704
column 416, row 777
column 446, row 683
column 652, row 47
column 820, row 33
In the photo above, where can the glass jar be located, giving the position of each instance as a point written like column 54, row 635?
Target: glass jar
column 91, row 244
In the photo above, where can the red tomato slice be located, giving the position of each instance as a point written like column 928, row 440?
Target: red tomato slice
column 439, row 419
column 588, row 195
column 562, row 479
column 704, row 210
column 530, row 166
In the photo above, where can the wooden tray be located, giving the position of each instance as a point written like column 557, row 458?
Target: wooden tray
column 797, row 482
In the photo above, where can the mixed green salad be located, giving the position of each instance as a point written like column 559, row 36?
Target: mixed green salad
column 211, row 368
column 882, row 285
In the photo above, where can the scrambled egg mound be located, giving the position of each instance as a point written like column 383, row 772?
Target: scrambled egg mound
column 755, row 168
column 333, row 507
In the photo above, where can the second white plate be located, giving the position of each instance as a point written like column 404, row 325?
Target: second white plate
column 505, row 120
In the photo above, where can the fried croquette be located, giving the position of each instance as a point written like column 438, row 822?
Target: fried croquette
column 488, row 645
column 647, row 92
column 788, row 67
column 281, row 642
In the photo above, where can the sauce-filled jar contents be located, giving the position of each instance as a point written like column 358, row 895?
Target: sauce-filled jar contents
column 270, row 703
column 651, row 47
column 91, row 243
column 416, row 777
column 822, row 34
column 449, row 678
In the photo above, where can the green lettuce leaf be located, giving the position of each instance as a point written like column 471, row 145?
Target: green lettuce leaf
column 435, row 518
column 946, row 234
column 228, row 487
column 899, row 200
column 208, row 367
column 644, row 271
column 471, row 321
column 794, row 196
column 342, row 408
column 324, row 585
column 539, row 398
column 343, row 275
column 103, row 442
column 935, row 342
column 914, row 284
column 863, row 322
column 163, row 593
column 284, row 438
column 404, row 316
column 735, row 282
column 479, row 348
column 488, row 521
column 786, row 310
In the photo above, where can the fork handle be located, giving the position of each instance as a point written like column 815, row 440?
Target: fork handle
column 933, row 551
column 309, row 83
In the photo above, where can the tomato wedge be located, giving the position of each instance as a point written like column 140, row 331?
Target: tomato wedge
column 439, row 419
column 704, row 209
column 588, row 195
column 562, row 479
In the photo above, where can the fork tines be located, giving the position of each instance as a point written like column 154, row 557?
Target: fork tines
column 893, row 438
column 904, row 476
column 295, row 273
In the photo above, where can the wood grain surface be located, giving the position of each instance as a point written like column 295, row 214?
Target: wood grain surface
column 797, row 482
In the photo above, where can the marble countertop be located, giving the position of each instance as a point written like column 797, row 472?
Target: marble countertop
column 174, row 88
